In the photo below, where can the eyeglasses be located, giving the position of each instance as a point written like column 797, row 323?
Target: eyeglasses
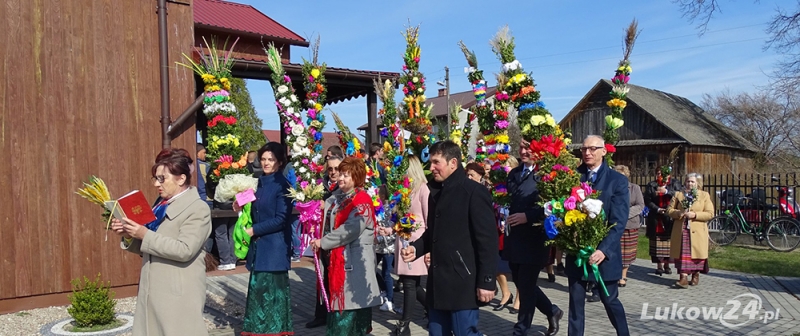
column 333, row 169
column 590, row 149
column 159, row 178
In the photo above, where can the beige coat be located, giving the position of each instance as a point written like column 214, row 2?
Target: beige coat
column 698, row 226
column 172, row 284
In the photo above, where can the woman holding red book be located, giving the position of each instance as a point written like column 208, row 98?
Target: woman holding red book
column 172, row 284
column 348, row 236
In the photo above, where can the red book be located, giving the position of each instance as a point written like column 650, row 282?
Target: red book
column 134, row 206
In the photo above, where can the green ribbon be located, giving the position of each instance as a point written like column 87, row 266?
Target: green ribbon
column 241, row 240
column 583, row 260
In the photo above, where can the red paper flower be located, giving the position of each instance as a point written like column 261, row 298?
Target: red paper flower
column 610, row 148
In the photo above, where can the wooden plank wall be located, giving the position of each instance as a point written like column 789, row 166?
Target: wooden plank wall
column 248, row 47
column 79, row 97
column 590, row 119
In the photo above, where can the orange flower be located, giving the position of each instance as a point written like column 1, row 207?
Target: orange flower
column 225, row 165
column 502, row 157
column 319, row 87
column 216, row 172
column 524, row 91
column 243, row 161
column 553, row 174
column 235, row 165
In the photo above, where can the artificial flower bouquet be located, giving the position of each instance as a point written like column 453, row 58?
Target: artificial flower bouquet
column 577, row 224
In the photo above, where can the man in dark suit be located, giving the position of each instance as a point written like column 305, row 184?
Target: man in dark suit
column 524, row 247
column 462, row 241
column 614, row 194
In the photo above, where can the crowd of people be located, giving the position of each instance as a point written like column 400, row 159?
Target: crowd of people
column 466, row 256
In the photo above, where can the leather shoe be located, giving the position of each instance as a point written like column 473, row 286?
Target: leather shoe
column 402, row 329
column 552, row 329
column 593, row 298
column 315, row 323
column 501, row 306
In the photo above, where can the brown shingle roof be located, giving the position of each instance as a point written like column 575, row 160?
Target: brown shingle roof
column 679, row 114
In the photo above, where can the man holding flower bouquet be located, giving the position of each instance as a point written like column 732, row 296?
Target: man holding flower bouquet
column 524, row 247
column 613, row 188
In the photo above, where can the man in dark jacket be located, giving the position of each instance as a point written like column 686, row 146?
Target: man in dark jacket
column 613, row 188
column 462, row 241
column 524, row 247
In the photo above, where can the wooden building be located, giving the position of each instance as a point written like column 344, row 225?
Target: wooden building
column 655, row 123
column 80, row 97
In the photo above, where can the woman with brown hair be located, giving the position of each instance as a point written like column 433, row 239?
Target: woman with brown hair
column 269, row 310
column 172, row 282
column 348, row 237
column 691, row 209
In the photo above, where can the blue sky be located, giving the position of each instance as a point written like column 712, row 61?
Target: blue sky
column 568, row 45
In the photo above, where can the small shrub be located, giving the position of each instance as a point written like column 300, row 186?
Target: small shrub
column 92, row 302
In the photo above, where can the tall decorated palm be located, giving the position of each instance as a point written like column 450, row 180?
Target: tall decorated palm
column 619, row 93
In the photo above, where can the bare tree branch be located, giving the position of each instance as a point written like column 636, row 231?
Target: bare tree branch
column 698, row 11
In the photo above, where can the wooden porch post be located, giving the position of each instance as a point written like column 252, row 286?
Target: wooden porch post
column 372, row 118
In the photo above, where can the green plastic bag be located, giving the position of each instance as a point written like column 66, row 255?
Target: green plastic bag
column 241, row 240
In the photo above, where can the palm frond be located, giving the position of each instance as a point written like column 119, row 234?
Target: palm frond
column 472, row 59
column 630, row 38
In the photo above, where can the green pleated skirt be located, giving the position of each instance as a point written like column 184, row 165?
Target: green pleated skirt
column 268, row 311
column 349, row 322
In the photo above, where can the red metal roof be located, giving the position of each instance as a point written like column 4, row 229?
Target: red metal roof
column 241, row 17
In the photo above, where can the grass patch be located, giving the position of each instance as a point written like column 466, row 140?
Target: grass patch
column 746, row 259
column 117, row 323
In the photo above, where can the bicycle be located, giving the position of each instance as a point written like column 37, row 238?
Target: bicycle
column 782, row 233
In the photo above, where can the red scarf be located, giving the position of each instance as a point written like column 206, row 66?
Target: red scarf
column 361, row 202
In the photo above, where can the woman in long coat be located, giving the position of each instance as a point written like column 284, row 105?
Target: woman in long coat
column 691, row 209
column 269, row 310
column 411, row 273
column 349, row 234
column 172, row 283
column 657, row 197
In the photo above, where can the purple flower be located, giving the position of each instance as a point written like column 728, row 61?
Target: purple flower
column 303, row 184
column 287, row 79
column 311, row 79
column 501, row 124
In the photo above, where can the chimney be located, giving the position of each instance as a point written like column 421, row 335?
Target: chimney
column 442, row 92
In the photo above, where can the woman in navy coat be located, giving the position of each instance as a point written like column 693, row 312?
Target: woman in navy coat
column 268, row 310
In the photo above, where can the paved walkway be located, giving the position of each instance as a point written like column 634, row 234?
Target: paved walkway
column 646, row 299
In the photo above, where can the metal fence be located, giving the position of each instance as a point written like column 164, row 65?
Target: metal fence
column 762, row 189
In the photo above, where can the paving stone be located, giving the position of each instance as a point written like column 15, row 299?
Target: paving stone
column 715, row 291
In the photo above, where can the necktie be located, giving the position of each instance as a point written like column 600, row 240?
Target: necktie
column 592, row 177
column 525, row 172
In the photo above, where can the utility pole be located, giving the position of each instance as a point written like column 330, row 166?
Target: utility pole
column 447, row 87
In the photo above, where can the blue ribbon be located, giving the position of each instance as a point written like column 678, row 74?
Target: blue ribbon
column 425, row 154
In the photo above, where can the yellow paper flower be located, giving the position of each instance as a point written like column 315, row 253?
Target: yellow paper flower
column 537, row 120
column 526, row 128
column 614, row 123
column 550, row 121
column 616, row 102
column 573, row 216
column 318, row 107
column 315, row 73
column 386, row 146
column 502, row 138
